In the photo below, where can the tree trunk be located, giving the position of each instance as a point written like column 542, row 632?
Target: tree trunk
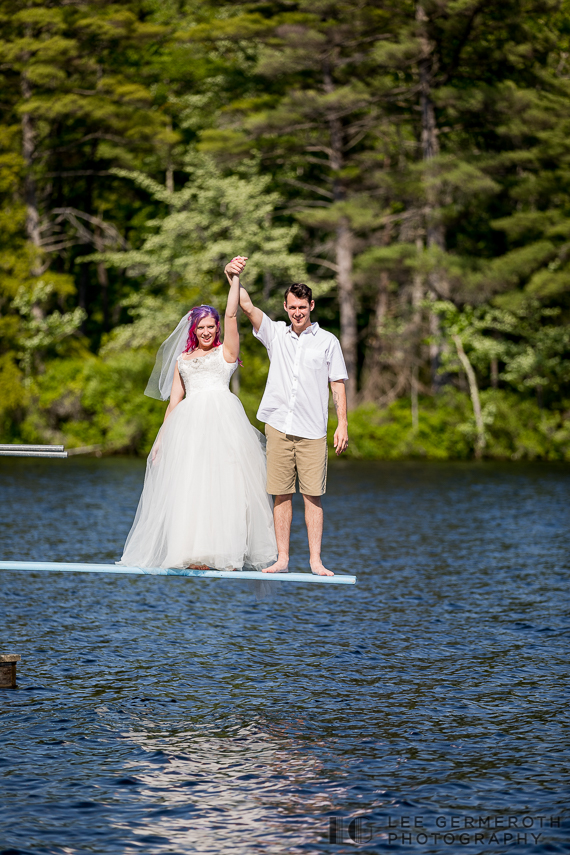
column 474, row 392
column 414, row 398
column 102, row 277
column 344, row 254
column 372, row 385
column 417, row 297
column 84, row 296
column 382, row 301
column 348, row 327
column 435, row 349
column 494, row 372
column 372, row 372
column 31, row 192
column 30, row 187
column 435, row 234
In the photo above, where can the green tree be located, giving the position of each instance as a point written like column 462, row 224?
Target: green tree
column 320, row 115
column 459, row 60
column 528, row 342
column 213, row 217
column 74, row 78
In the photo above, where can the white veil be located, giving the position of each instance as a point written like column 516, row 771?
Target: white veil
column 160, row 381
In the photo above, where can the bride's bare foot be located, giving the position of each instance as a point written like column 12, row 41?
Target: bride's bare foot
column 319, row 569
column 280, row 566
column 197, row 567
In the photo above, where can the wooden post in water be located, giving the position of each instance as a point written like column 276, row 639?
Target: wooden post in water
column 8, row 670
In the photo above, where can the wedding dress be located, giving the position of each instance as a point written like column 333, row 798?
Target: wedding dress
column 204, row 499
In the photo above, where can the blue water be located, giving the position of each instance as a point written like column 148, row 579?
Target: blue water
column 423, row 710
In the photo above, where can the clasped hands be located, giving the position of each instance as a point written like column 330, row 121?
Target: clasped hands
column 235, row 267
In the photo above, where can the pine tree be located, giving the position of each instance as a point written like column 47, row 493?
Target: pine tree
column 459, row 59
column 74, row 77
column 319, row 115
column 180, row 263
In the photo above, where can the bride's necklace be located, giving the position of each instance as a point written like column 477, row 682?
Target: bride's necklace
column 201, row 352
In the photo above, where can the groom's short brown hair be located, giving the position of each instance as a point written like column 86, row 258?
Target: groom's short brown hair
column 299, row 290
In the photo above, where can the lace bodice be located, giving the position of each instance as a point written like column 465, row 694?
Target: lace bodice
column 206, row 372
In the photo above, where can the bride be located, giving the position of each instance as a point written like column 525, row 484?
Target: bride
column 204, row 502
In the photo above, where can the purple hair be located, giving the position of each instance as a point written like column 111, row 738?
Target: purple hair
column 197, row 314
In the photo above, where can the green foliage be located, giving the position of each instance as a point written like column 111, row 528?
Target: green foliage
column 207, row 218
column 13, row 396
column 181, row 260
column 94, row 403
column 387, row 434
column 529, row 343
column 522, row 430
column 144, row 143
column 42, row 331
column 98, row 405
column 516, row 430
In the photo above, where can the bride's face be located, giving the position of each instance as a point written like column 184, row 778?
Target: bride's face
column 206, row 332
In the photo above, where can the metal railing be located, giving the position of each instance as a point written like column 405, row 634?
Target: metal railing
column 32, row 451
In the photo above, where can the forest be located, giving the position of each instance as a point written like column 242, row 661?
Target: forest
column 408, row 159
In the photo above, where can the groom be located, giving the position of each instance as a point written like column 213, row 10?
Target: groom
column 304, row 360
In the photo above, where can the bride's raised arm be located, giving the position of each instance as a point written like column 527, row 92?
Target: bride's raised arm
column 231, row 334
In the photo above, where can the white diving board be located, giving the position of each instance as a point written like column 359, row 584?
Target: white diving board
column 202, row 574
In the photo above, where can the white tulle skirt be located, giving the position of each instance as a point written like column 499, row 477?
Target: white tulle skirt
column 204, row 499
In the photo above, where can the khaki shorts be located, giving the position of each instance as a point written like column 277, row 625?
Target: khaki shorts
column 291, row 456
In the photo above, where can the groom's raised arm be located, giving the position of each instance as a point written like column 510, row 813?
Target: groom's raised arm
column 254, row 314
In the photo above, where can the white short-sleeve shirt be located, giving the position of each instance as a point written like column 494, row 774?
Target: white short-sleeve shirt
column 296, row 397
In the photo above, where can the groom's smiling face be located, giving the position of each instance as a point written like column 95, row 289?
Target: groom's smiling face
column 299, row 310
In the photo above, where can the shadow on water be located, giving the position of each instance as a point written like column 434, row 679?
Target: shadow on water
column 175, row 715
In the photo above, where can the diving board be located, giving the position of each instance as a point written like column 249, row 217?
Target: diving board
column 159, row 571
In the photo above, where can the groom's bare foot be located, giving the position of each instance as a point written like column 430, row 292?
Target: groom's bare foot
column 280, row 566
column 318, row 568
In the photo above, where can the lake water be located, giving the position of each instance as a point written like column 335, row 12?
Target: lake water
column 423, row 710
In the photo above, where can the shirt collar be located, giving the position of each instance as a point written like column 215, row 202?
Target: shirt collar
column 312, row 329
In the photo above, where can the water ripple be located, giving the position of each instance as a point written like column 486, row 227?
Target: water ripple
column 172, row 715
